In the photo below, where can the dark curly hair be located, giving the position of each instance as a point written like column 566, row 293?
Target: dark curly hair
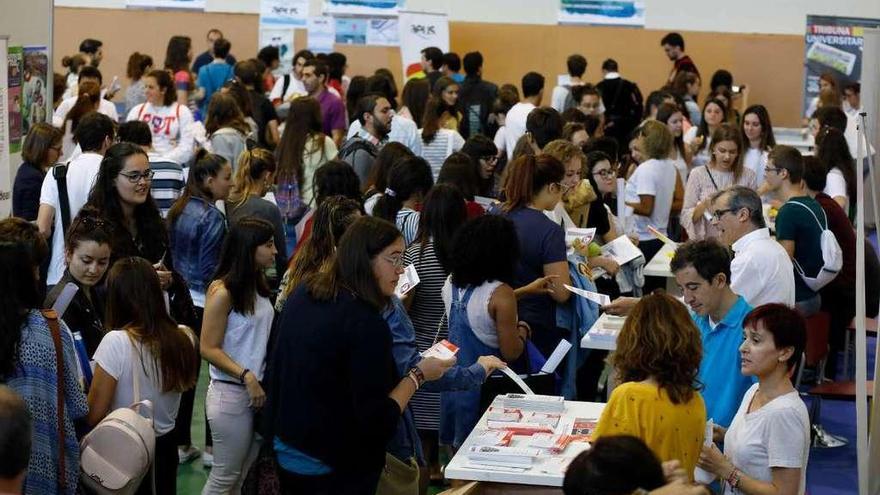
column 659, row 340
column 485, row 248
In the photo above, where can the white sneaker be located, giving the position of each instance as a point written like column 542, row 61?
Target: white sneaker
column 207, row 459
column 184, row 456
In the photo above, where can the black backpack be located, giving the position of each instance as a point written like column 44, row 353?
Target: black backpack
column 353, row 145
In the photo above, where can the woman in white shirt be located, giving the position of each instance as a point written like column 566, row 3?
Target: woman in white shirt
column 757, row 134
column 170, row 122
column 767, row 445
column 235, row 332
column 699, row 138
column 145, row 345
column 833, row 151
column 88, row 100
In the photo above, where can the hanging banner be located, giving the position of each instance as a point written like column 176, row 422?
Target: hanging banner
column 419, row 31
column 833, row 46
column 13, row 96
column 286, row 13
column 363, row 7
column 603, row 12
column 321, row 34
column 166, row 4
column 35, row 104
column 5, row 172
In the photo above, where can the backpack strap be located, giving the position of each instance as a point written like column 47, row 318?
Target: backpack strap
column 135, row 362
column 59, row 172
column 55, row 329
column 814, row 215
column 285, row 86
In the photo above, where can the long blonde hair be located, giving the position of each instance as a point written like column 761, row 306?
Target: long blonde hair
column 251, row 165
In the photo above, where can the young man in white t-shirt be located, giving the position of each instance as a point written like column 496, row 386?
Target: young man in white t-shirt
column 290, row 86
column 515, row 121
column 95, row 134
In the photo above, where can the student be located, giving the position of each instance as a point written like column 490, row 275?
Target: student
column 452, row 67
column 41, row 150
column 459, row 171
column 588, row 100
column 315, row 77
column 482, row 312
column 303, row 148
column 88, row 100
column 211, row 77
column 725, row 169
column 290, row 86
column 562, row 97
column 575, row 133
column 757, row 132
column 484, row 154
column 833, row 151
column 226, row 128
column 93, row 50
column 687, row 85
column 168, row 177
column 336, row 79
column 390, row 154
column 87, row 256
column 401, row 130
column 622, row 100
column 138, row 66
column 534, row 185
column 74, row 64
column 312, row 390
column 761, row 270
column 94, row 134
column 439, row 135
column 144, row 344
column 515, row 120
column 334, row 178
column 170, row 121
column 699, row 137
column 249, row 76
column 205, row 57
column 271, row 59
column 852, row 101
column 432, row 62
column 702, row 272
column 476, row 97
column 374, row 115
column 603, row 178
column 235, row 334
column 828, row 87
column 673, row 45
column 414, row 99
column 87, row 74
column 356, row 89
column 653, row 102
column 242, row 97
column 798, row 226
column 253, row 179
column 767, row 446
column 15, row 438
column 673, row 117
column 408, row 182
column 29, row 362
column 657, row 360
column 178, row 56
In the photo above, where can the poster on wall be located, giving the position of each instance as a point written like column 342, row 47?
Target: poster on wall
column 288, row 13
column 321, row 34
column 833, row 46
column 166, row 4
column 383, row 32
column 602, row 12
column 283, row 39
column 35, row 103
column 5, row 173
column 13, row 96
column 363, row 7
column 418, row 31
column 351, row 30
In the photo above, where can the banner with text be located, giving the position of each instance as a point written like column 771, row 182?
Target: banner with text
column 363, row 7
column 419, row 31
column 284, row 13
column 603, row 12
column 833, row 46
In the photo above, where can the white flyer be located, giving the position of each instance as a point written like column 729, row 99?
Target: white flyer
column 600, row 299
column 622, row 250
column 700, row 474
column 408, row 279
column 557, row 356
column 516, row 379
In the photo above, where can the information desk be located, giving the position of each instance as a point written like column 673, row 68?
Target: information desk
column 548, row 470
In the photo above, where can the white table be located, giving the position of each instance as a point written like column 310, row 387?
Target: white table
column 659, row 267
column 796, row 137
column 602, row 344
column 546, row 471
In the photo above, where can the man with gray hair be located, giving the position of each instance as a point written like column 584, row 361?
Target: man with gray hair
column 15, row 441
column 761, row 270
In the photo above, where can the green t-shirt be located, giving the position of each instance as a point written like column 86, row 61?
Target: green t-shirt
column 795, row 223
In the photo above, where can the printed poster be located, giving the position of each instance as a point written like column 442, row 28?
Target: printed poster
column 833, row 45
column 166, row 4
column 283, row 39
column 383, row 32
column 35, row 104
column 363, row 7
column 321, row 34
column 14, row 96
column 5, row 173
column 351, row 30
column 602, row 12
column 289, row 13
column 417, row 32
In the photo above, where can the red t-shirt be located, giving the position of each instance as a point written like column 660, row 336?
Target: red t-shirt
column 474, row 210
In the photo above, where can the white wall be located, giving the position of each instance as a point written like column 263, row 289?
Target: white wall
column 745, row 16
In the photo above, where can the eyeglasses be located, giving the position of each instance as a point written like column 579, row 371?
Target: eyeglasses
column 397, row 261
column 717, row 214
column 135, row 177
column 605, row 173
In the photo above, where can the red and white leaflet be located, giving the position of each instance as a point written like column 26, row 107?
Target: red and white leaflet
column 441, row 350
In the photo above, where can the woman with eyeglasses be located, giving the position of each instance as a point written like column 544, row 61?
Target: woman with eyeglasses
column 485, row 155
column 41, row 150
column 333, row 371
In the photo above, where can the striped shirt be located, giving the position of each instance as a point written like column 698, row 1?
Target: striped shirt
column 168, row 182
column 408, row 224
column 426, row 313
column 445, row 143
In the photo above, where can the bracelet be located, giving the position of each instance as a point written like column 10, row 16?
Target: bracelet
column 242, row 374
column 419, row 376
column 733, row 478
column 415, row 380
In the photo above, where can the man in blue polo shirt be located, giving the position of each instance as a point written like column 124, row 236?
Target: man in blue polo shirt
column 702, row 271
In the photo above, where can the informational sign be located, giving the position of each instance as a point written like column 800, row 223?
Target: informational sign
column 419, row 31
column 35, row 104
column 283, row 39
column 351, row 30
column 166, row 4
column 605, row 12
column 321, row 34
column 833, row 46
column 15, row 66
column 5, row 173
column 289, row 13
column 383, row 32
column 363, row 7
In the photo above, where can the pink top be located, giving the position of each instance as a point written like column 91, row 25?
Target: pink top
column 700, row 186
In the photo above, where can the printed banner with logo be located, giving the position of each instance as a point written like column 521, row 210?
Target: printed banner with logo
column 419, row 31
column 363, row 7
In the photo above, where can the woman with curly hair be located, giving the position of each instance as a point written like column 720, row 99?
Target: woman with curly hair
column 657, row 359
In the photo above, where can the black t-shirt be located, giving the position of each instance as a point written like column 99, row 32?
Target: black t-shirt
column 264, row 112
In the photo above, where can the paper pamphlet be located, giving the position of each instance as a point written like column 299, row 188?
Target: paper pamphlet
column 622, row 250
column 584, row 235
column 600, row 299
column 63, row 299
column 557, row 356
column 659, row 235
column 408, row 280
column 701, row 475
column 516, row 379
column 444, row 350
column 485, row 202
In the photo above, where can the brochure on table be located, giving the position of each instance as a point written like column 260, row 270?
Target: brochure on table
column 526, row 439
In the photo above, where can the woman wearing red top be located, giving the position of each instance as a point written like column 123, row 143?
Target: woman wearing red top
column 459, row 170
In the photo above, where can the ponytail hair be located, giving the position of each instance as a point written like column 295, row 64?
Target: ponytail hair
column 251, row 165
column 89, row 95
column 206, row 165
column 406, row 178
column 527, row 176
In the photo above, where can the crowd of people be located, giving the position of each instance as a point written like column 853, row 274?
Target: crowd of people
column 262, row 221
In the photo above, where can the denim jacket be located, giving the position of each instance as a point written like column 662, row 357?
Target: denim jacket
column 196, row 237
column 406, row 444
